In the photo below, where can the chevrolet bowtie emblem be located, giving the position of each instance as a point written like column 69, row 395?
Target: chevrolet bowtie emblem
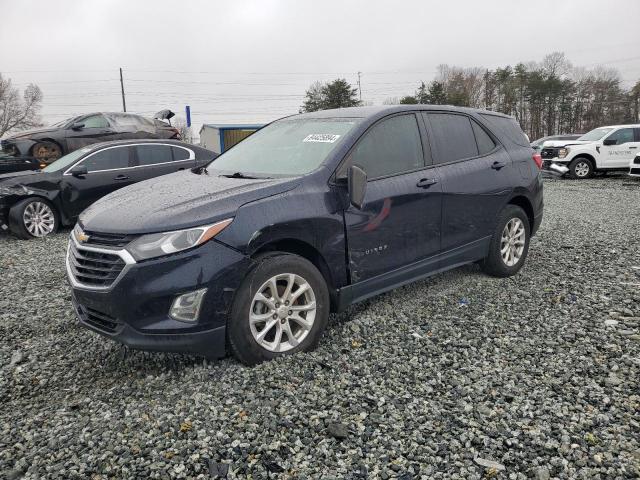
column 82, row 237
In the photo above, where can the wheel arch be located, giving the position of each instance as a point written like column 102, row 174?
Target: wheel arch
column 47, row 139
column 305, row 250
column 523, row 202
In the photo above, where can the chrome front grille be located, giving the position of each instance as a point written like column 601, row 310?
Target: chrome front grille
column 95, row 268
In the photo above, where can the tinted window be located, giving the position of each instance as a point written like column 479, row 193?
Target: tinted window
column 180, row 153
column 108, row 159
column 484, row 141
column 453, row 137
column 152, row 154
column 391, row 146
column 506, row 126
column 637, row 134
column 96, row 121
column 621, row 136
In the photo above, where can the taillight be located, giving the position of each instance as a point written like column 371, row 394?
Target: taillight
column 538, row 159
column 176, row 133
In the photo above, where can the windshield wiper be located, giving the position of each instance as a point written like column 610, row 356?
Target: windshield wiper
column 243, row 175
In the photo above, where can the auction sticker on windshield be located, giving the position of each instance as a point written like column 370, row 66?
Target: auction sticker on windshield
column 321, row 137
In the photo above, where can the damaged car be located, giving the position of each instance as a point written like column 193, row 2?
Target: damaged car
column 46, row 145
column 307, row 216
column 36, row 203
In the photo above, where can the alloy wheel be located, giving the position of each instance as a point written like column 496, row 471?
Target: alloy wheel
column 582, row 169
column 282, row 312
column 512, row 242
column 39, row 219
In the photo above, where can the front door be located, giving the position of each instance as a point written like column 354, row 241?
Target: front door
column 108, row 170
column 95, row 128
column 623, row 147
column 399, row 223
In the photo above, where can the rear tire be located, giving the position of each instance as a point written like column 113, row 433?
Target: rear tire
column 509, row 244
column 581, row 168
column 282, row 307
column 33, row 217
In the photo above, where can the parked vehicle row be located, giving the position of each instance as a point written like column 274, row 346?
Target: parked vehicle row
column 38, row 148
column 604, row 149
column 308, row 215
column 35, row 203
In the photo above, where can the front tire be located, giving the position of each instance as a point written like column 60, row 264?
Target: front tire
column 581, row 168
column 33, row 218
column 282, row 307
column 46, row 152
column 509, row 244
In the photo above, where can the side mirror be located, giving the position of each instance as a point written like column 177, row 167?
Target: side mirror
column 610, row 141
column 77, row 126
column 357, row 181
column 79, row 171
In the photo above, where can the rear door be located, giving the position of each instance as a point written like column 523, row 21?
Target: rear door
column 620, row 154
column 161, row 159
column 399, row 223
column 476, row 177
column 108, row 170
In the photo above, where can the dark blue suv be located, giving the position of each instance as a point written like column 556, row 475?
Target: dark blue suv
column 307, row 216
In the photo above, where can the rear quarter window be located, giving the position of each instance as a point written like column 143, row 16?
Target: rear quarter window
column 506, row 127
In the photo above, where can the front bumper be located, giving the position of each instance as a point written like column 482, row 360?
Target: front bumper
column 556, row 167
column 134, row 310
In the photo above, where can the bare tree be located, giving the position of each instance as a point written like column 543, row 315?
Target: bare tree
column 181, row 125
column 18, row 113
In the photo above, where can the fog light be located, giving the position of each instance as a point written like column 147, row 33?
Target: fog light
column 186, row 307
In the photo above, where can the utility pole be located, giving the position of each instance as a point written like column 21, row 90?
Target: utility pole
column 359, row 86
column 124, row 104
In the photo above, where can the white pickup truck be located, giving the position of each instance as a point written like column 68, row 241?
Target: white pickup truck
column 601, row 150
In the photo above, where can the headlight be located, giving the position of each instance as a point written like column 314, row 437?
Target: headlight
column 158, row 244
column 563, row 152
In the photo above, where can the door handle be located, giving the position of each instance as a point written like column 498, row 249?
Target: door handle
column 498, row 165
column 426, row 182
column 121, row 177
column 632, row 148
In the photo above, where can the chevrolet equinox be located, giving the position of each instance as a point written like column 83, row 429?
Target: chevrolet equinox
column 307, row 216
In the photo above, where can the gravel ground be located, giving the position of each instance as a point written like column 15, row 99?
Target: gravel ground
column 460, row 376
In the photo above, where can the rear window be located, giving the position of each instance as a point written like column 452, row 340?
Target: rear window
column 508, row 127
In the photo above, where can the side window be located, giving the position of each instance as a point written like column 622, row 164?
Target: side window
column 391, row 146
column 95, row 121
column 636, row 132
column 108, row 159
column 452, row 136
column 180, row 153
column 152, row 154
column 484, row 141
column 624, row 135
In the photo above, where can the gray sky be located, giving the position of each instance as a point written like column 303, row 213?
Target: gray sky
column 247, row 61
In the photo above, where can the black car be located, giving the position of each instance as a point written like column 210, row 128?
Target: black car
column 308, row 215
column 48, row 144
column 35, row 203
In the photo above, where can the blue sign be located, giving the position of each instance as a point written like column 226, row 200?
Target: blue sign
column 187, row 110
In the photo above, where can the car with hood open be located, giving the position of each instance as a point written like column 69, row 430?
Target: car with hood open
column 42, row 146
column 308, row 215
column 604, row 149
column 36, row 203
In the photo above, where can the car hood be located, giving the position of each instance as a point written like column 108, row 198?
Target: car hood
column 16, row 177
column 564, row 143
column 30, row 133
column 177, row 201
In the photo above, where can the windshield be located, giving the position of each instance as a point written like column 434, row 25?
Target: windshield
column 596, row 134
column 64, row 162
column 62, row 123
column 286, row 147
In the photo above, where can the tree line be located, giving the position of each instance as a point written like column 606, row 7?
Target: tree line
column 547, row 98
